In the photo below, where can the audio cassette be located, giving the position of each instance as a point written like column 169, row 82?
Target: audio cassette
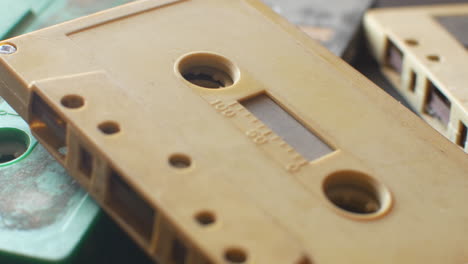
column 214, row 131
column 423, row 52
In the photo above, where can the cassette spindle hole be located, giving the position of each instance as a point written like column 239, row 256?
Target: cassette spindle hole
column 208, row 70
column 109, row 127
column 357, row 193
column 180, row 161
column 205, row 218
column 72, row 101
column 13, row 144
column 235, row 255
column 208, row 77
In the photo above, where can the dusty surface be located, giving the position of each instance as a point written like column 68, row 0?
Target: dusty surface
column 35, row 192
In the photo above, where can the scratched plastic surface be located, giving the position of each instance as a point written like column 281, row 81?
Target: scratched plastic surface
column 44, row 214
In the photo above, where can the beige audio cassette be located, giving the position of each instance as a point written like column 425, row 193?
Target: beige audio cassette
column 213, row 131
column 423, row 52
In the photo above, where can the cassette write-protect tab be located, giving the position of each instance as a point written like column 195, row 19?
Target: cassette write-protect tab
column 182, row 119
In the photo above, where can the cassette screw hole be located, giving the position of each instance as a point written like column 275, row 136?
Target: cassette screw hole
column 72, row 101
column 412, row 42
column 205, row 218
column 356, row 193
column 109, row 127
column 7, row 48
column 235, row 255
column 433, row 58
column 13, row 144
column 180, row 161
